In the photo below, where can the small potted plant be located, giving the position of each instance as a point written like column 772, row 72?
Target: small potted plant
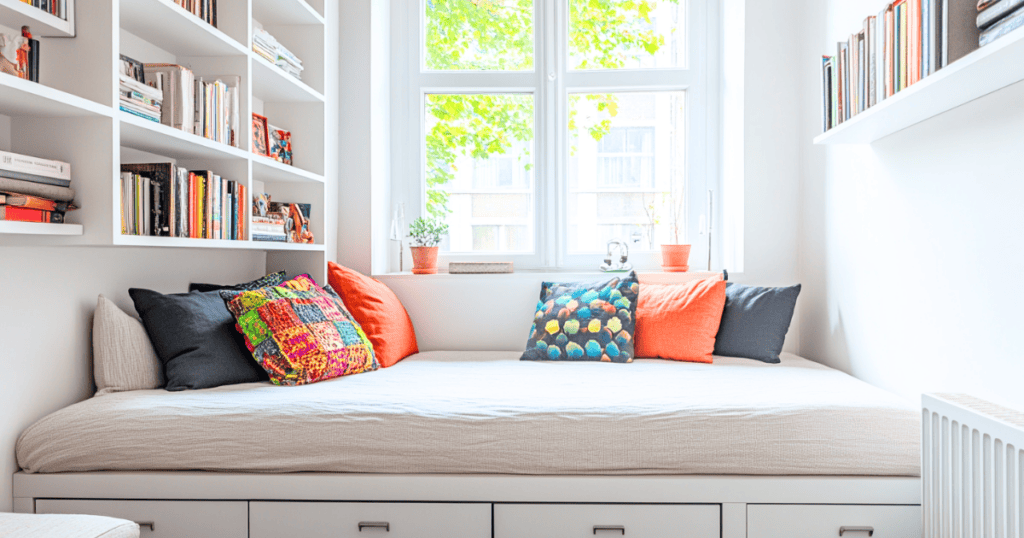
column 675, row 257
column 426, row 234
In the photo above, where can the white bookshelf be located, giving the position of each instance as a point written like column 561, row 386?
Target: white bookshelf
column 73, row 115
column 984, row 71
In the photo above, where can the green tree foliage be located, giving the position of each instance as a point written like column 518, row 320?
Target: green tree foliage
column 497, row 35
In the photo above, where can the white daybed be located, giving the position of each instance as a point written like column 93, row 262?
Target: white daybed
column 481, row 444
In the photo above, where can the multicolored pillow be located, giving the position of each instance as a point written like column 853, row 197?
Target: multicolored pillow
column 585, row 322
column 300, row 333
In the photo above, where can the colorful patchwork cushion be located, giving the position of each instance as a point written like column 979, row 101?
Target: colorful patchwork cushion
column 300, row 333
column 585, row 322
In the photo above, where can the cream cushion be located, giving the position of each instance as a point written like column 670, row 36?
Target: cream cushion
column 40, row 526
column 123, row 357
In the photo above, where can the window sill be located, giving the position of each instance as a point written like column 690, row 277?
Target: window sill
column 648, row 276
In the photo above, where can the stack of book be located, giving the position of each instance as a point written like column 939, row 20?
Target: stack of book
column 282, row 222
column 204, row 9
column 33, row 189
column 906, row 42
column 266, row 46
column 162, row 199
column 57, row 8
column 997, row 18
column 136, row 97
column 208, row 108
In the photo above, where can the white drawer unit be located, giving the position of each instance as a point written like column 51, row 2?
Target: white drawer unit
column 163, row 519
column 832, row 521
column 368, row 520
column 606, row 521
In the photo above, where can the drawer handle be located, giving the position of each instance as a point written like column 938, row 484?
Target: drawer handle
column 374, row 525
column 610, row 528
column 150, row 524
column 869, row 530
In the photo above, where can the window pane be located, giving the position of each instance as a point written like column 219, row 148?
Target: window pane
column 479, row 35
column 479, row 176
column 627, row 170
column 627, row 34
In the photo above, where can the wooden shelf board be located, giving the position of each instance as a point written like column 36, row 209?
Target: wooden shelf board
column 20, row 97
column 272, row 85
column 183, row 242
column 984, row 71
column 39, row 228
column 145, row 135
column 270, row 171
column 285, row 12
column 16, row 14
column 168, row 26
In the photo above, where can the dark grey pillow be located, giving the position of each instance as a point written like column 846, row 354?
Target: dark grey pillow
column 755, row 321
column 194, row 335
column 273, row 279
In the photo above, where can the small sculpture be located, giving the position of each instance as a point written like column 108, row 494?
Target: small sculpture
column 621, row 264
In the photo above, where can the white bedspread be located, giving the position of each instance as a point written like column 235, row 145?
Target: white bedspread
column 487, row 412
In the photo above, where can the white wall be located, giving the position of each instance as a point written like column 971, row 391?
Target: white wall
column 912, row 246
column 47, row 297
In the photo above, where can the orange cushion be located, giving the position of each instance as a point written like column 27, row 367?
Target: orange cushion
column 679, row 321
column 378, row 311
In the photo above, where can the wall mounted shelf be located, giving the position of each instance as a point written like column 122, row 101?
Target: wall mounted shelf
column 984, row 71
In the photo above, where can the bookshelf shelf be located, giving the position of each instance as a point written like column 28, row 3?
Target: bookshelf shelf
column 984, row 71
column 20, row 97
column 183, row 242
column 152, row 137
column 168, row 26
column 16, row 14
column 290, row 12
column 39, row 228
column 270, row 171
column 271, row 84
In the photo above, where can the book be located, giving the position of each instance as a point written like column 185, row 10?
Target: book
column 24, row 214
column 50, row 192
column 36, row 166
column 995, row 12
column 177, row 86
column 913, row 42
column 1012, row 22
column 34, row 202
column 960, row 33
column 890, row 47
column 33, row 178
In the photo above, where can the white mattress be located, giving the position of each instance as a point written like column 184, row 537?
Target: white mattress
column 487, row 412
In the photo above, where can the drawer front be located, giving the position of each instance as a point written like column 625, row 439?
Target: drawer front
column 164, row 519
column 606, row 521
column 827, row 521
column 368, row 520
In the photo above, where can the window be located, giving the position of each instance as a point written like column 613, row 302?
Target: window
column 541, row 130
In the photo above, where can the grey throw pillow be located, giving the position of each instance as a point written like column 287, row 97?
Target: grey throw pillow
column 123, row 356
column 755, row 321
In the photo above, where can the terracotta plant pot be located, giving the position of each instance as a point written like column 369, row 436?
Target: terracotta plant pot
column 675, row 258
column 424, row 260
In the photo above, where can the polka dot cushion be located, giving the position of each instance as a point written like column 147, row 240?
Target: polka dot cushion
column 585, row 322
column 300, row 333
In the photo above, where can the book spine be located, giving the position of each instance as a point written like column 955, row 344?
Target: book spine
column 996, row 12
column 1011, row 23
column 33, row 178
column 142, row 115
column 22, row 214
column 25, row 164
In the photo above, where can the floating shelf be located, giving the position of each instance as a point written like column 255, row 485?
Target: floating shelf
column 145, row 135
column 16, row 14
column 270, row 171
column 184, row 242
column 272, row 85
column 285, row 12
column 39, row 228
column 168, row 26
column 984, row 71
column 20, row 97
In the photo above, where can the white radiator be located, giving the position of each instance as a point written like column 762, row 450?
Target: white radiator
column 972, row 468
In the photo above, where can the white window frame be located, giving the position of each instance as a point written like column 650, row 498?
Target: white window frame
column 550, row 83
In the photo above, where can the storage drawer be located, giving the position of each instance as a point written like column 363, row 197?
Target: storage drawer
column 824, row 521
column 606, row 521
column 368, row 520
column 164, row 519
